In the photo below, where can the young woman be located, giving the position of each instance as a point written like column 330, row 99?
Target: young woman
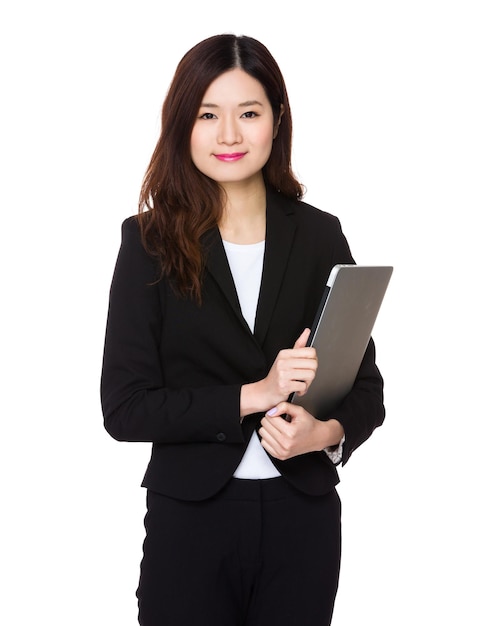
column 217, row 282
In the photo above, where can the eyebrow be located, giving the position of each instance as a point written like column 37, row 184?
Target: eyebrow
column 248, row 103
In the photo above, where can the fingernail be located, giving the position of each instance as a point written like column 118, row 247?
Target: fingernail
column 272, row 411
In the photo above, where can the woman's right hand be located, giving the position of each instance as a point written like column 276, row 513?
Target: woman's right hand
column 292, row 372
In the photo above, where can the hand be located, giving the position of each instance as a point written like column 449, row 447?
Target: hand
column 303, row 433
column 292, row 372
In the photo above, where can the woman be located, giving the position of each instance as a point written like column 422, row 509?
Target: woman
column 216, row 285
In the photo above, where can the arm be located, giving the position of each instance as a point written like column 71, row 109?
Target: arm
column 136, row 402
column 362, row 410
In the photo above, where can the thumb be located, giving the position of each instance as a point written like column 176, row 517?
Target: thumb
column 301, row 342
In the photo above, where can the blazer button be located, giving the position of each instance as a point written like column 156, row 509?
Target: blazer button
column 221, row 437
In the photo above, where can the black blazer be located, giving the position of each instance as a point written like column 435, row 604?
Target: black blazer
column 173, row 370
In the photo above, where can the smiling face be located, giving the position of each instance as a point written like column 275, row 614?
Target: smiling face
column 232, row 136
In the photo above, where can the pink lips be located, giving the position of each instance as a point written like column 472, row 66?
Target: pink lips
column 228, row 158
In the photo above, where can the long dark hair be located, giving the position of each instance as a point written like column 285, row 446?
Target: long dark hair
column 177, row 202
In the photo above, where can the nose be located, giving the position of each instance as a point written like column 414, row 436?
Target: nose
column 228, row 131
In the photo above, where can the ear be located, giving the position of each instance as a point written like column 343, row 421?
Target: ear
column 277, row 124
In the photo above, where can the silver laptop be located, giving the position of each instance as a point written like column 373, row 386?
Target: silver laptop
column 341, row 332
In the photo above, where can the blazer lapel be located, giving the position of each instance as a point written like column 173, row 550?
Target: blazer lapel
column 278, row 242
column 280, row 228
column 218, row 267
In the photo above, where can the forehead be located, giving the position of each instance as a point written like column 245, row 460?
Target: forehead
column 235, row 87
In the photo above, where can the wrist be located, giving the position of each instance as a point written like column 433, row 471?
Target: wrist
column 251, row 400
column 334, row 433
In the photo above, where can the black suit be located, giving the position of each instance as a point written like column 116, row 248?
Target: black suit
column 172, row 370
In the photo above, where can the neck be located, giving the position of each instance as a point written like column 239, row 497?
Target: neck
column 243, row 219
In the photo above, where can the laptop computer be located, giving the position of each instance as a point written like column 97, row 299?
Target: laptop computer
column 341, row 331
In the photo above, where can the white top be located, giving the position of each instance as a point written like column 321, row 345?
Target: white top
column 246, row 265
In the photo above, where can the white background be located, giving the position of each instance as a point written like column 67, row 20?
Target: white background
column 395, row 108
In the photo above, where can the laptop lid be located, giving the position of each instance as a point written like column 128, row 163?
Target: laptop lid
column 341, row 331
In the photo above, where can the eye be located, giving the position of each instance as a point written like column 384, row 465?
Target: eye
column 249, row 115
column 207, row 116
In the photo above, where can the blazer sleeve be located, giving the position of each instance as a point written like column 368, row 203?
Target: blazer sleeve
column 137, row 405
column 362, row 410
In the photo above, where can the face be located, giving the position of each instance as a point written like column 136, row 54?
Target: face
column 232, row 136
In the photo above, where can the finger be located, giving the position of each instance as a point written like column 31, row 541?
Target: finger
column 304, row 374
column 298, row 368
column 278, row 410
column 269, row 428
column 305, row 353
column 301, row 342
column 277, row 438
column 268, row 440
column 271, row 438
column 284, row 408
column 307, row 361
column 270, row 448
column 296, row 380
column 275, row 418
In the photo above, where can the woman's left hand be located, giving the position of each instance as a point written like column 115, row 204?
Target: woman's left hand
column 303, row 433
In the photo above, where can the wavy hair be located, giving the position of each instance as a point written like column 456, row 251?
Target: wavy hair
column 178, row 203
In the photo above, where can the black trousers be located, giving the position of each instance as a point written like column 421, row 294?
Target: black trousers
column 260, row 553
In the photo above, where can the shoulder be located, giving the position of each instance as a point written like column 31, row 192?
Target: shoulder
column 130, row 229
column 306, row 215
column 133, row 254
column 312, row 223
column 321, row 231
column 131, row 232
column 315, row 217
column 131, row 239
column 316, row 231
